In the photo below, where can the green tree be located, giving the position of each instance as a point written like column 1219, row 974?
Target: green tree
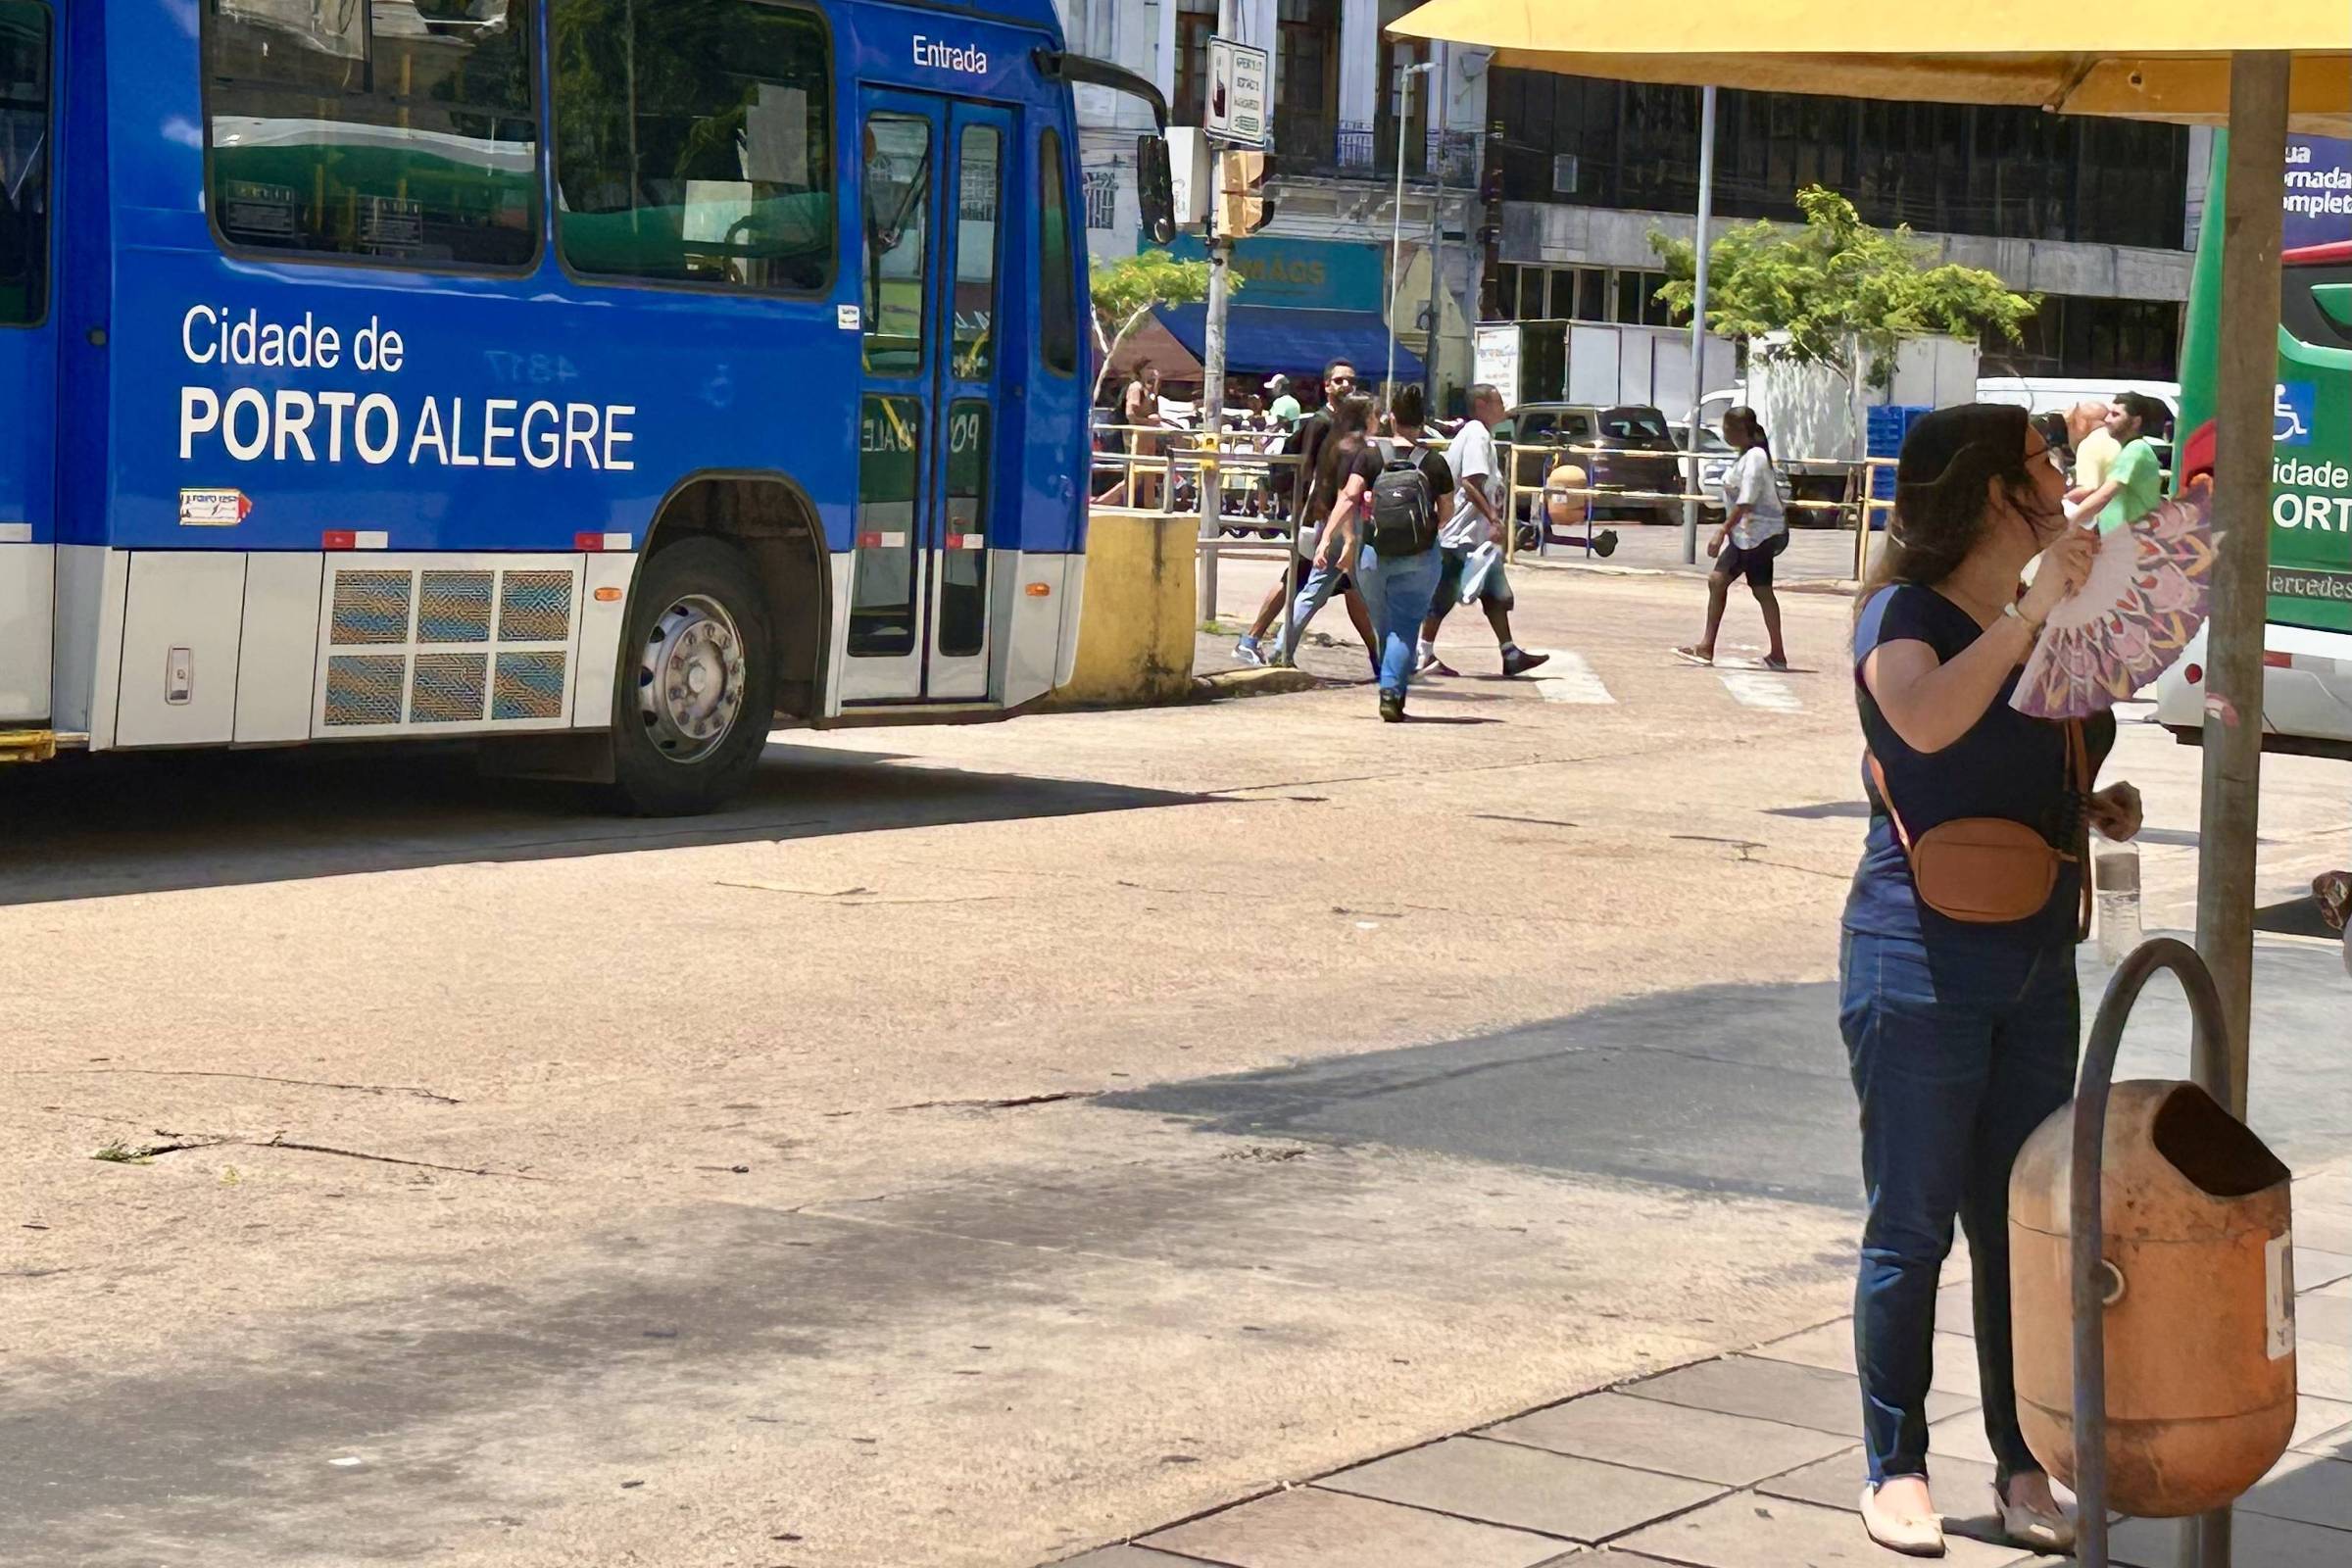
column 1125, row 290
column 1838, row 287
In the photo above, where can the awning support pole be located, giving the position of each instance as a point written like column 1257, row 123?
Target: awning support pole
column 2245, row 394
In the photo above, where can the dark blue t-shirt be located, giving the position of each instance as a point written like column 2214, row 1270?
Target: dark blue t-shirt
column 2006, row 766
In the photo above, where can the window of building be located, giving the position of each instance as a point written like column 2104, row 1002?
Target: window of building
column 1195, row 24
column 1056, row 285
column 24, row 163
column 694, row 144
column 407, row 134
column 2010, row 173
column 1306, row 78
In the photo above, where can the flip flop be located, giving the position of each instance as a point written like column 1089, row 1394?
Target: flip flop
column 1691, row 655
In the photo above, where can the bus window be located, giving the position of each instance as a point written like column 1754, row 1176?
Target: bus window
column 404, row 134
column 976, row 253
column 898, row 223
column 1057, row 294
column 24, row 163
column 694, row 144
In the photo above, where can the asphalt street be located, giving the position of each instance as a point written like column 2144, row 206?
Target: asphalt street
column 977, row 1145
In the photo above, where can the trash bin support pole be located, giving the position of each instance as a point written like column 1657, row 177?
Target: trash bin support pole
column 2087, row 1222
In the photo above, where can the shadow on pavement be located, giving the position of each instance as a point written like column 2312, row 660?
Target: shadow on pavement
column 97, row 826
column 1734, row 1088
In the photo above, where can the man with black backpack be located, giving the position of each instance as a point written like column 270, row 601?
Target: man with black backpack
column 1404, row 480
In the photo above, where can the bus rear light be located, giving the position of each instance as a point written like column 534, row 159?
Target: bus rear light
column 2275, row 661
column 355, row 539
column 607, row 596
column 1038, row 590
column 2195, row 674
column 601, row 541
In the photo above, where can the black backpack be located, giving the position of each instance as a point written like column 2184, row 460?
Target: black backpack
column 1405, row 515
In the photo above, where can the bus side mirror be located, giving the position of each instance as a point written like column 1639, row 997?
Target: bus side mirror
column 1155, row 188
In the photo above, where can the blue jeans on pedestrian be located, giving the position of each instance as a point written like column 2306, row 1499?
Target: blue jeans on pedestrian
column 1959, row 1050
column 1316, row 586
column 1398, row 589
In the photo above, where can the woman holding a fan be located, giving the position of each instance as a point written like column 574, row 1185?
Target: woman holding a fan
column 1959, row 1006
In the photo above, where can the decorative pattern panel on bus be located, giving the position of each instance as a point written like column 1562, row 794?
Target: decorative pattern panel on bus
column 454, row 608
column 371, row 607
column 363, row 689
column 529, row 686
column 464, row 644
column 449, row 688
column 534, row 607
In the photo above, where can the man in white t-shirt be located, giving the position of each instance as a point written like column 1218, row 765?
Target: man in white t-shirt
column 1471, row 537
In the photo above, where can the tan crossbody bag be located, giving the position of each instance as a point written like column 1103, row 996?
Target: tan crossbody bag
column 1989, row 871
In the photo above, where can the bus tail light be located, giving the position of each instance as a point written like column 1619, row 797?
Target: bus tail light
column 607, row 596
column 2195, row 674
column 601, row 541
column 354, row 539
column 1038, row 590
column 2275, row 661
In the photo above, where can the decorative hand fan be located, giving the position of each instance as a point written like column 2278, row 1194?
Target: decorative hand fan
column 2144, row 600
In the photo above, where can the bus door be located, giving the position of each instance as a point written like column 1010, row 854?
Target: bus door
column 934, row 179
column 28, row 76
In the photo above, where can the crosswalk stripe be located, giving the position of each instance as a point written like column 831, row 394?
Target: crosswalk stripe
column 1759, row 688
column 1569, row 679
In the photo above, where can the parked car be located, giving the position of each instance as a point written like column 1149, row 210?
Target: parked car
column 1633, row 450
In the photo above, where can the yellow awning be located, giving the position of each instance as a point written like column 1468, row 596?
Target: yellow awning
column 2158, row 60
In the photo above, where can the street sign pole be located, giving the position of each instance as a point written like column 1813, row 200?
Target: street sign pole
column 1212, row 356
column 1699, row 321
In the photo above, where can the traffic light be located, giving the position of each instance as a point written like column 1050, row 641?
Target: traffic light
column 1241, row 204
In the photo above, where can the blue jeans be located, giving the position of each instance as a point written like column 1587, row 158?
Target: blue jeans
column 1316, row 586
column 1958, row 1053
column 1398, row 590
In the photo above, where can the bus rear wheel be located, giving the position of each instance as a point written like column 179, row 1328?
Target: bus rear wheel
column 695, row 694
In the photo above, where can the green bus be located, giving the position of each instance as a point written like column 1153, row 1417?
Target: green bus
column 2307, row 645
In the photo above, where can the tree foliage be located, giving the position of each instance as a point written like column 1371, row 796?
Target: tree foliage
column 1125, row 290
column 1838, row 286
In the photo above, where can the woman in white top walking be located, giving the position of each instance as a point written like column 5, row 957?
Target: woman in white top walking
column 1754, row 532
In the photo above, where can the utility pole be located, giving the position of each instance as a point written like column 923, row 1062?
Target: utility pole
column 1212, row 366
column 1698, row 321
column 1404, row 101
column 1436, row 222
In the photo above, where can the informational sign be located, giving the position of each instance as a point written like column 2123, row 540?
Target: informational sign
column 2318, row 192
column 1313, row 274
column 1495, row 359
column 1239, row 81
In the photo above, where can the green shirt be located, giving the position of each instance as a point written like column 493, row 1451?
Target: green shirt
column 2139, row 480
column 1284, row 410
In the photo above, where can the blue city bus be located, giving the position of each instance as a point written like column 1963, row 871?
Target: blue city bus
column 589, row 378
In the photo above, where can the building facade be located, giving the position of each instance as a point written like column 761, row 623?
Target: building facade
column 1341, row 112
column 2095, row 216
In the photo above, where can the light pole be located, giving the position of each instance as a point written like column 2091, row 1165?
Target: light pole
column 1699, row 321
column 1404, row 101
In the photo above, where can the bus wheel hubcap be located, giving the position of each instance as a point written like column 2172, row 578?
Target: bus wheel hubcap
column 690, row 681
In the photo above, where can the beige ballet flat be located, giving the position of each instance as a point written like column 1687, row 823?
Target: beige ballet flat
column 1913, row 1538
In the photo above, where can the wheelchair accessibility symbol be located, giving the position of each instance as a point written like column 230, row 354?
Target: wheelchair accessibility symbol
column 2292, row 413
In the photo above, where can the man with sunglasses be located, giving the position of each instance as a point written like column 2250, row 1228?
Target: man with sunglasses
column 1306, row 444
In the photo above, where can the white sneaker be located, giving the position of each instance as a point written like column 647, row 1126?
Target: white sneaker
column 1247, row 652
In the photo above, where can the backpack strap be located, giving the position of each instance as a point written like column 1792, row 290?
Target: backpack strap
column 1878, row 778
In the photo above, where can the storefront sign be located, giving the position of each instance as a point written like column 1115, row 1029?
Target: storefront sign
column 1309, row 273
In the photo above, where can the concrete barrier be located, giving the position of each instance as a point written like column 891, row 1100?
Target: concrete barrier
column 1140, row 611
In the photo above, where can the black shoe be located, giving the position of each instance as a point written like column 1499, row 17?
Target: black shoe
column 1517, row 662
column 1391, row 707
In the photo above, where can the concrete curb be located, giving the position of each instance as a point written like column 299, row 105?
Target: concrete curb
column 1266, row 681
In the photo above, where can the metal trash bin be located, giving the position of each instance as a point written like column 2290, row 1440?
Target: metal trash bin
column 2195, row 1263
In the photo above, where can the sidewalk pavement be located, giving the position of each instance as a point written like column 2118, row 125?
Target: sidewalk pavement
column 1751, row 1460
